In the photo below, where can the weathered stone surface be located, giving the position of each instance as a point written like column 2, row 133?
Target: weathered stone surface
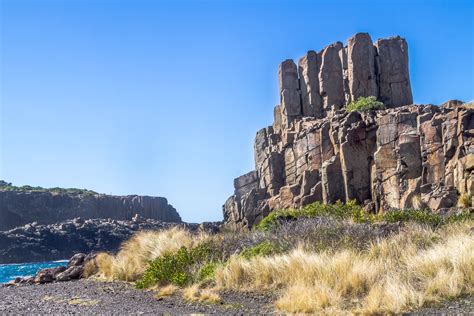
column 392, row 71
column 245, row 183
column 361, row 67
column 289, row 92
column 308, row 68
column 48, row 275
column 331, row 77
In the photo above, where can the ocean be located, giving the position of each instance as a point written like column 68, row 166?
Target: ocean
column 11, row 271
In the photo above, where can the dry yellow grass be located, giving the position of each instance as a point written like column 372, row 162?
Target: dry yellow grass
column 465, row 200
column 416, row 267
column 131, row 261
column 167, row 290
column 194, row 293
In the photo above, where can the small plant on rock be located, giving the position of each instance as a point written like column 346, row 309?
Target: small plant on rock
column 365, row 104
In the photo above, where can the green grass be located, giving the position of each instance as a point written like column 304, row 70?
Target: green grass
column 365, row 104
column 356, row 213
column 264, row 249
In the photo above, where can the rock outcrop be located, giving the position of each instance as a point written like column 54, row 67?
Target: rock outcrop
column 400, row 157
column 38, row 242
column 19, row 206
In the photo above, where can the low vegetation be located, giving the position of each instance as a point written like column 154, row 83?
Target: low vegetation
column 321, row 258
column 357, row 214
column 6, row 186
column 365, row 104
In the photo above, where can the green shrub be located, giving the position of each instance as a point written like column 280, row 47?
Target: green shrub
column 207, row 271
column 182, row 267
column 365, row 104
column 263, row 249
column 338, row 210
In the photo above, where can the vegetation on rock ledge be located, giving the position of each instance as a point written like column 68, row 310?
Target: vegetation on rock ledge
column 365, row 104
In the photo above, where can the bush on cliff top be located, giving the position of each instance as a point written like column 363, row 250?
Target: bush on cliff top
column 365, row 104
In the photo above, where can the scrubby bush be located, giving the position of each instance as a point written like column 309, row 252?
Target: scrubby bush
column 263, row 249
column 182, row 267
column 365, row 104
column 338, row 210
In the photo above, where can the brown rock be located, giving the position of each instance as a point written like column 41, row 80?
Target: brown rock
column 330, row 77
column 309, row 79
column 392, row 72
column 361, row 67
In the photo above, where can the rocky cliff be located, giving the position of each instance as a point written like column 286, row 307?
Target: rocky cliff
column 20, row 206
column 407, row 156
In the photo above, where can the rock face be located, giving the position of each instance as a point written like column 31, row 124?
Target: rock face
column 394, row 158
column 20, row 207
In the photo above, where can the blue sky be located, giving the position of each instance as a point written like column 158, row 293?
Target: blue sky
column 165, row 97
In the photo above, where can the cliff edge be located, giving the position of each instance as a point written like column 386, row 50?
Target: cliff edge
column 23, row 205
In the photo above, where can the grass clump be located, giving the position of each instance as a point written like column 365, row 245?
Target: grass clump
column 365, row 104
column 263, row 249
column 194, row 293
column 465, row 200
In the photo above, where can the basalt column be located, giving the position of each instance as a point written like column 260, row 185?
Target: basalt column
column 289, row 92
column 308, row 68
column 392, row 72
column 361, row 67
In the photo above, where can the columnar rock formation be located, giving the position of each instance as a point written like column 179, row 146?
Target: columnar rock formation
column 20, row 207
column 316, row 151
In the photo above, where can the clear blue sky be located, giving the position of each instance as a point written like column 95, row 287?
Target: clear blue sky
column 165, row 97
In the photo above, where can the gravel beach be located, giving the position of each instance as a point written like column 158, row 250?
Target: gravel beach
column 91, row 297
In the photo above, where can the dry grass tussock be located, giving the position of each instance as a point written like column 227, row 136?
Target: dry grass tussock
column 164, row 291
column 194, row 293
column 131, row 261
column 413, row 268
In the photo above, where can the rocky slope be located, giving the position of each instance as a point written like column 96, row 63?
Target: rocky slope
column 402, row 157
column 23, row 205
column 38, row 242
